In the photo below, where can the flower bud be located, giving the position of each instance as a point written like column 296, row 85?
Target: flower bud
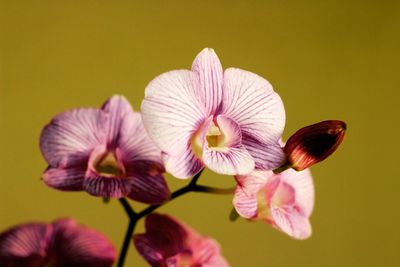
column 314, row 143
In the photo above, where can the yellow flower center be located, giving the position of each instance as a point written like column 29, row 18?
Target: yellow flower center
column 108, row 165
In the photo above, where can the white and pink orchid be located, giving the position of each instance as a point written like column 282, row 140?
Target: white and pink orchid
column 285, row 200
column 229, row 121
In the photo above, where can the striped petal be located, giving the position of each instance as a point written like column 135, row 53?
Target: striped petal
column 79, row 246
column 267, row 156
column 147, row 183
column 116, row 108
column 245, row 199
column 210, row 77
column 252, row 103
column 64, row 179
column 183, row 165
column 70, row 137
column 134, row 143
column 291, row 222
column 25, row 245
column 232, row 162
column 171, row 110
column 110, row 187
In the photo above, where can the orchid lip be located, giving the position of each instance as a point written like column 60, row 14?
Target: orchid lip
column 211, row 135
column 106, row 163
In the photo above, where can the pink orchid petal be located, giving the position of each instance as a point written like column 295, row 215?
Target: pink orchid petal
column 166, row 236
column 116, row 108
column 70, row 137
column 291, row 222
column 79, row 246
column 302, row 183
column 245, row 199
column 70, row 179
column 183, row 165
column 210, row 74
column 134, row 143
column 26, row 244
column 206, row 252
column 171, row 110
column 267, row 156
column 250, row 101
column 168, row 242
column 110, row 187
column 147, row 183
column 235, row 161
column 144, row 246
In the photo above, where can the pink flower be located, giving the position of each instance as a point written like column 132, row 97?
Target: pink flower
column 229, row 121
column 169, row 243
column 284, row 200
column 63, row 243
column 105, row 152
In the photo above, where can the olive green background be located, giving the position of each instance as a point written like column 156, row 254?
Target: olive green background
column 327, row 60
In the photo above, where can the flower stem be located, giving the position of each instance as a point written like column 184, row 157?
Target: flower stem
column 127, row 242
column 134, row 217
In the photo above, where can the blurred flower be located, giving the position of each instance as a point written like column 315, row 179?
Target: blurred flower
column 284, row 200
column 228, row 121
column 63, row 243
column 105, row 152
column 314, row 143
column 169, row 243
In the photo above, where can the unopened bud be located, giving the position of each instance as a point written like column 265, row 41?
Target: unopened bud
column 314, row 143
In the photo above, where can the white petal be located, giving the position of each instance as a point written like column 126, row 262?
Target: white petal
column 267, row 156
column 210, row 74
column 235, row 161
column 171, row 110
column 250, row 100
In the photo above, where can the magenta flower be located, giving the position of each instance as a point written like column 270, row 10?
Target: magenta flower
column 169, row 243
column 105, row 152
column 284, row 200
column 63, row 243
column 229, row 121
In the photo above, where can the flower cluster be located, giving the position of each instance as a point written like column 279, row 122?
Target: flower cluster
column 230, row 121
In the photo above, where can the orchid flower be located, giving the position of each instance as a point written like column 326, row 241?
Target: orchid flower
column 105, row 152
column 229, row 121
column 169, row 243
column 63, row 243
column 284, row 200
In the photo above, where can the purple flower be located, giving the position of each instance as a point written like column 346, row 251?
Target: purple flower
column 105, row 152
column 229, row 121
column 63, row 243
column 169, row 243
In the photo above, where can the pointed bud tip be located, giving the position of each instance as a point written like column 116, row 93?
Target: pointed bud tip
column 314, row 143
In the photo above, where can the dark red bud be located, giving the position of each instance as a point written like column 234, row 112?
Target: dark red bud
column 314, row 143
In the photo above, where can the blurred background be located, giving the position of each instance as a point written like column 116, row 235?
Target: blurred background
column 327, row 60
